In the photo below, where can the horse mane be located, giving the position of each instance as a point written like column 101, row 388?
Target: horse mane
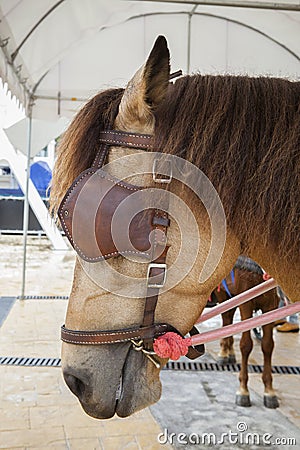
column 244, row 134
column 79, row 144
column 245, row 263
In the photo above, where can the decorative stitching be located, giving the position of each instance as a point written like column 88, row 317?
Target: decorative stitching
column 64, row 202
column 79, row 179
column 124, row 141
column 119, row 133
column 95, row 343
column 103, row 342
column 120, row 183
column 128, row 144
column 96, row 158
column 101, row 333
column 103, row 153
column 159, row 333
column 107, row 255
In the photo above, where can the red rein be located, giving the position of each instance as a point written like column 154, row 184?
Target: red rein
column 172, row 345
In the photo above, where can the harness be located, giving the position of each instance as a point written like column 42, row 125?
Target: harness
column 98, row 244
column 225, row 285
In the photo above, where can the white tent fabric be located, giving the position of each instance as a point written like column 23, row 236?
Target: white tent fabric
column 70, row 49
column 42, row 133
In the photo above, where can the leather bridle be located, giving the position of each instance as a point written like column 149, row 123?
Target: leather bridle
column 141, row 336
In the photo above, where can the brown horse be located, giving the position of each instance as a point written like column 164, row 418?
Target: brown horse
column 245, row 275
column 243, row 134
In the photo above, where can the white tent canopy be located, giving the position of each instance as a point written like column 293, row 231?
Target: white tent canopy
column 70, row 49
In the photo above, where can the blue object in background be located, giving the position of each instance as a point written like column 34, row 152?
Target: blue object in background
column 40, row 175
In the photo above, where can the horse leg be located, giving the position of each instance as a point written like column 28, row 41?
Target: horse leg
column 246, row 344
column 267, row 345
column 226, row 354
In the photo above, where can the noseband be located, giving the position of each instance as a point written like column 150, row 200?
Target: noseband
column 99, row 243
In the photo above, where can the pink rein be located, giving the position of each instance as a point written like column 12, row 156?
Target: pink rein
column 171, row 345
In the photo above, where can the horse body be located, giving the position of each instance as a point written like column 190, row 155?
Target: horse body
column 248, row 274
column 150, row 104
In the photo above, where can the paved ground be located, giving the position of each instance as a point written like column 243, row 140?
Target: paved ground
column 205, row 413
column 202, row 405
column 37, row 411
column 5, row 306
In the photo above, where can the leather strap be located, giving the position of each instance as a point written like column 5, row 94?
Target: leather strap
column 126, row 335
column 197, row 350
column 156, row 277
column 157, row 268
column 101, row 156
column 113, row 336
column 108, row 138
column 123, row 138
column 148, row 331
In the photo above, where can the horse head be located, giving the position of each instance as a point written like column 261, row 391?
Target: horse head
column 109, row 293
column 114, row 378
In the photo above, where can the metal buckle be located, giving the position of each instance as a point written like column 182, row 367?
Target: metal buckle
column 161, row 178
column 139, row 347
column 156, row 266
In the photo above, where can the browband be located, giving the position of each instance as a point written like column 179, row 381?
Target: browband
column 123, row 138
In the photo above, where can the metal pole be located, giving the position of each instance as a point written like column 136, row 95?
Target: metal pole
column 188, row 64
column 239, row 299
column 26, row 199
column 236, row 3
column 245, row 325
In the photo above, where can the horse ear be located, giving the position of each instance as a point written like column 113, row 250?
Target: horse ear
column 146, row 90
column 157, row 72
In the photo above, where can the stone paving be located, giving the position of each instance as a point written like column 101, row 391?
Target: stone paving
column 201, row 406
column 37, row 410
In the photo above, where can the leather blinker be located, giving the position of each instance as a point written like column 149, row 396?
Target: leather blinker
column 104, row 217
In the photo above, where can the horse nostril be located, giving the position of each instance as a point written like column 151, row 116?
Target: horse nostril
column 75, row 385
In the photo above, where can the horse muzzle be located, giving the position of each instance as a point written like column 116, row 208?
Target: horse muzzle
column 109, row 380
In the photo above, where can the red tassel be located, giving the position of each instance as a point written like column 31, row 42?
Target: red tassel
column 171, row 345
column 266, row 276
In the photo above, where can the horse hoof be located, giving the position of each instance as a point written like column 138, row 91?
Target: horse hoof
column 242, row 400
column 271, row 401
column 222, row 360
column 231, row 359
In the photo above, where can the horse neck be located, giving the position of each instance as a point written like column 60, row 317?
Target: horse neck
column 285, row 273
